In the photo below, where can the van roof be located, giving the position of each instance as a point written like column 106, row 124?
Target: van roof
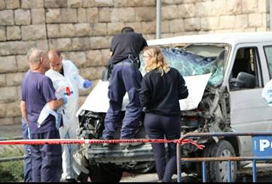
column 232, row 38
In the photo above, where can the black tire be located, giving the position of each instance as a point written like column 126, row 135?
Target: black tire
column 208, row 150
column 219, row 170
column 105, row 173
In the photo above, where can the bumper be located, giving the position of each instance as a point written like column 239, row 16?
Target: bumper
column 118, row 154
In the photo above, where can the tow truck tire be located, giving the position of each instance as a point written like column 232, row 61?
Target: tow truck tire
column 219, row 170
column 105, row 173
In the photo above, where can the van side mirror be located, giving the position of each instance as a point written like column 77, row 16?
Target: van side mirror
column 248, row 79
column 243, row 80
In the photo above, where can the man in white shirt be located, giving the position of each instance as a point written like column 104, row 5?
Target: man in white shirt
column 67, row 81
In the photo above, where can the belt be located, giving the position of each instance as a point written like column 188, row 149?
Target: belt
column 126, row 63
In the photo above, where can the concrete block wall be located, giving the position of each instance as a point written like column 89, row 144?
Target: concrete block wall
column 83, row 29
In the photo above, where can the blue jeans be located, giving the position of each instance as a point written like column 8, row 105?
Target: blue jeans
column 27, row 155
column 124, row 78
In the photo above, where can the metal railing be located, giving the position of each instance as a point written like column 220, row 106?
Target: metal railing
column 9, row 159
column 212, row 159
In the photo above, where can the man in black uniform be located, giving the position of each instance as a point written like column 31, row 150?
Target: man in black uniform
column 124, row 77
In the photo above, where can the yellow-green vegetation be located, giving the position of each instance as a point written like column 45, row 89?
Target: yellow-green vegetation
column 11, row 171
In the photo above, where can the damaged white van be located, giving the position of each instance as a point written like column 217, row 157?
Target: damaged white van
column 225, row 74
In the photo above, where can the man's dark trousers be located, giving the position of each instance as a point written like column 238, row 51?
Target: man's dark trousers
column 46, row 159
column 125, row 77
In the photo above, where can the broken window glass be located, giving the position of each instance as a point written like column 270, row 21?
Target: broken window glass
column 191, row 64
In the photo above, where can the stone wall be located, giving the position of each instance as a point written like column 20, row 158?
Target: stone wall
column 83, row 29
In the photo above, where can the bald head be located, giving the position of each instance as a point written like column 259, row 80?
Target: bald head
column 35, row 56
column 55, row 60
column 38, row 60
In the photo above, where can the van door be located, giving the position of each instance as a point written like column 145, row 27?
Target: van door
column 248, row 110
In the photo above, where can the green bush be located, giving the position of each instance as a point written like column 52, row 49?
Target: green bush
column 12, row 171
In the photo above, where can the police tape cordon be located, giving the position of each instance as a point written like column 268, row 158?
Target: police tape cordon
column 97, row 141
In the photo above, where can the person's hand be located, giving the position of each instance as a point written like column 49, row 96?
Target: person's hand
column 87, row 84
column 64, row 100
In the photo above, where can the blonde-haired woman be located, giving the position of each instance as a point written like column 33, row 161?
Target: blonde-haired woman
column 161, row 89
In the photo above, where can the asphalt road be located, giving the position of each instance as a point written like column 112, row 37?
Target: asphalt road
column 152, row 177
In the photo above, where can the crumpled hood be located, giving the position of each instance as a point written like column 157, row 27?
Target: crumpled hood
column 98, row 101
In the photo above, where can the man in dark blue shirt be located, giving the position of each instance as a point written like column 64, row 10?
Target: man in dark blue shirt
column 37, row 91
column 125, row 77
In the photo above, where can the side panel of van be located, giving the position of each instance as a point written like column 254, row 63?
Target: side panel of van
column 249, row 111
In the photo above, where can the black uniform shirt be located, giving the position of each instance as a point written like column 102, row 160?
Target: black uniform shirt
column 124, row 44
column 161, row 94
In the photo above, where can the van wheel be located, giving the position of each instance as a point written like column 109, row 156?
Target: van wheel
column 207, row 153
column 219, row 169
column 105, row 173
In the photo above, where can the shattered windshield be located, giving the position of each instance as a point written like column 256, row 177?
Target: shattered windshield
column 190, row 64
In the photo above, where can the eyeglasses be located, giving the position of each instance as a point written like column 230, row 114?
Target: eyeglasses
column 146, row 56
